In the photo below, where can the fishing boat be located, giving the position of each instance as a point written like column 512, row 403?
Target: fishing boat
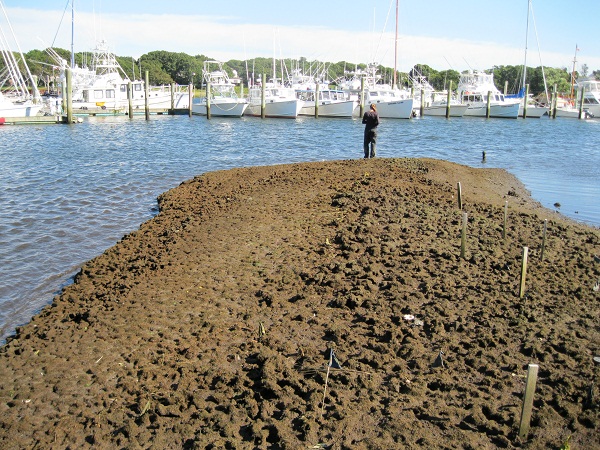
column 591, row 96
column 571, row 107
column 103, row 87
column 224, row 101
column 315, row 93
column 280, row 101
column 435, row 103
column 16, row 98
column 391, row 103
column 476, row 89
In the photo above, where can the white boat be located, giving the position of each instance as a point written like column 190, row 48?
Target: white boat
column 571, row 107
column 16, row 100
column 330, row 102
column 391, row 103
column 435, row 102
column 18, row 108
column 473, row 89
column 591, row 96
column 280, row 101
column 224, row 102
column 103, row 86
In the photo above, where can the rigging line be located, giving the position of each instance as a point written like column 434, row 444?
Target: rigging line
column 35, row 89
column 60, row 23
column 539, row 52
column 387, row 18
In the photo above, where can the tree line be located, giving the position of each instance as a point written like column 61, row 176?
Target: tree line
column 166, row 67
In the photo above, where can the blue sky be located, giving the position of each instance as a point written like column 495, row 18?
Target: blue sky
column 457, row 34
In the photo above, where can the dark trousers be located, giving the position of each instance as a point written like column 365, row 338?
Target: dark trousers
column 370, row 138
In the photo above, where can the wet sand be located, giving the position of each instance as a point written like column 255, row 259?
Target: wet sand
column 211, row 326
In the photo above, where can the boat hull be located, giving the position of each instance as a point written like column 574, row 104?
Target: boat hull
column 573, row 113
column 440, row 110
column 286, row 109
column 19, row 110
column 220, row 108
column 534, row 112
column 343, row 109
column 394, row 109
column 497, row 110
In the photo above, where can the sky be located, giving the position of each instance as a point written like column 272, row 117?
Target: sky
column 444, row 34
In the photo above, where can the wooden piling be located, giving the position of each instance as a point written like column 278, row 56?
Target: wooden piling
column 581, row 116
column 422, row 107
column 172, row 96
column 69, row 96
column 488, row 106
column 263, row 105
column 190, row 99
column 448, row 98
column 523, row 272
column 208, row 115
column 130, row 98
column 525, row 101
column 362, row 97
column 317, row 99
column 554, row 100
column 147, row 92
column 532, row 371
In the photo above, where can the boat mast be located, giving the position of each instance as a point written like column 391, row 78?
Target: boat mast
column 396, row 48
column 526, row 37
column 573, row 72
column 72, row 34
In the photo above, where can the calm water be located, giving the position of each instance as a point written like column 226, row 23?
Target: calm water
column 67, row 193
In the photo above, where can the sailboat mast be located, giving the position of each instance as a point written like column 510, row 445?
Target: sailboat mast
column 72, row 34
column 573, row 72
column 396, row 48
column 526, row 42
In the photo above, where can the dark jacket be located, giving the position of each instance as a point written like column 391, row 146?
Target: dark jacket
column 370, row 119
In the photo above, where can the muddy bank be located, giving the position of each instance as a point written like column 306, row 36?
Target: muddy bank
column 211, row 326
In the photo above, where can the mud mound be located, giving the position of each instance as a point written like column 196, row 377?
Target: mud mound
column 213, row 324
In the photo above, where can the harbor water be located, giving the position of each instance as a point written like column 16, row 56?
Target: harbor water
column 67, row 193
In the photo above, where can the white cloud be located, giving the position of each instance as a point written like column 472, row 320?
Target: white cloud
column 134, row 35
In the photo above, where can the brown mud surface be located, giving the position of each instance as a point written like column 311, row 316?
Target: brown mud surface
column 210, row 326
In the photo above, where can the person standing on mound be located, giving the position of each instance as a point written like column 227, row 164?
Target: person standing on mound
column 371, row 121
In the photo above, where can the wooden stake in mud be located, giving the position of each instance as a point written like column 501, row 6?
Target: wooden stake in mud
column 505, row 219
column 459, row 189
column 544, row 239
column 532, row 371
column 523, row 272
column 463, row 239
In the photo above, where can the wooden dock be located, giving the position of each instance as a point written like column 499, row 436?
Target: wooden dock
column 96, row 112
